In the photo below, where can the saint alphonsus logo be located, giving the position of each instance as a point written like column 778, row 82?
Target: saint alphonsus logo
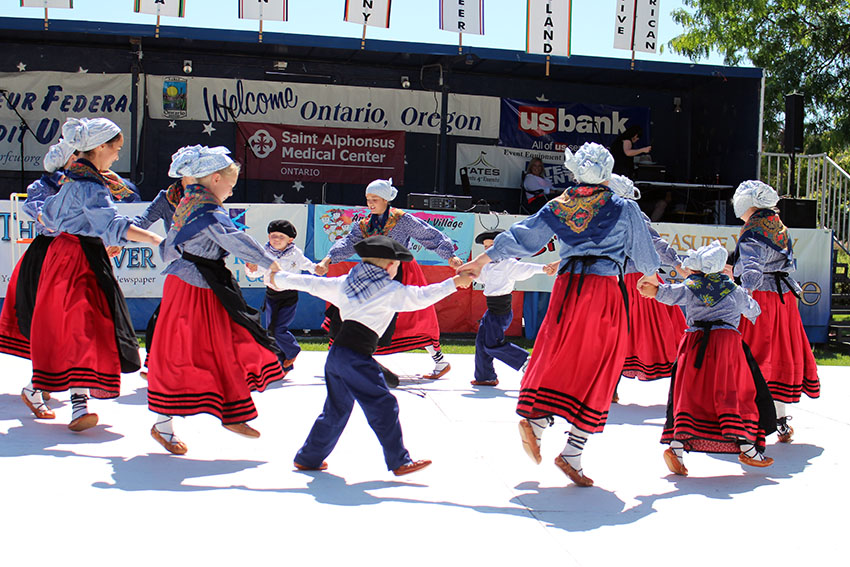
column 262, row 144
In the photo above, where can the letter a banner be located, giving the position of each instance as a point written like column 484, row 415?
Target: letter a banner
column 47, row 3
column 173, row 8
column 462, row 16
column 548, row 27
column 368, row 12
column 636, row 25
column 263, row 10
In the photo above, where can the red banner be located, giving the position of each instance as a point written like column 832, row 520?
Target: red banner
column 334, row 155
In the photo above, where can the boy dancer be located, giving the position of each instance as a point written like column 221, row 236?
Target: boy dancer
column 367, row 298
column 498, row 279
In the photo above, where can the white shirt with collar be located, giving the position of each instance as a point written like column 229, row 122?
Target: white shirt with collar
column 498, row 278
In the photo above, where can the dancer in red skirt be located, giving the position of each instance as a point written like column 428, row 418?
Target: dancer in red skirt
column 82, row 337
column 16, row 317
column 656, row 329
column 765, row 261
column 214, row 350
column 410, row 330
column 719, row 401
column 581, row 346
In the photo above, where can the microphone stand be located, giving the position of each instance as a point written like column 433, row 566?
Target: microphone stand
column 232, row 114
column 24, row 129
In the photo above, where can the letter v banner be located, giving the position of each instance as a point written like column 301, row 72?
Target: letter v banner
column 548, row 27
column 368, row 12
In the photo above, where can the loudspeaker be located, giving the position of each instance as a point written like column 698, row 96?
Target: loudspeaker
column 793, row 123
column 431, row 201
column 798, row 213
column 464, row 181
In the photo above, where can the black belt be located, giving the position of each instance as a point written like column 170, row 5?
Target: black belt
column 779, row 278
column 706, row 327
column 589, row 261
column 358, row 337
column 499, row 304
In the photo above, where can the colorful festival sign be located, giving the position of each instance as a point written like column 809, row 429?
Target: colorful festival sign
column 548, row 27
column 173, row 8
column 330, row 106
column 275, row 10
column 368, row 12
column 46, row 99
column 636, row 25
column 553, row 126
column 332, row 222
column 333, row 155
column 462, row 16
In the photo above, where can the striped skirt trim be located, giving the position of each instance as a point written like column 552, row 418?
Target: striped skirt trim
column 206, row 402
column 721, row 436
column 107, row 385
column 535, row 403
column 634, row 368
column 14, row 346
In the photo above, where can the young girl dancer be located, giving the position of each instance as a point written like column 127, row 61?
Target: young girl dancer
column 412, row 330
column 765, row 261
column 16, row 317
column 84, row 338
column 719, row 402
column 367, row 298
column 581, row 345
column 217, row 350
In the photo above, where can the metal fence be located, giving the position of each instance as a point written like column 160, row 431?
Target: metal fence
column 815, row 177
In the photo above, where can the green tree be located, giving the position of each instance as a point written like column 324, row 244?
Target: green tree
column 802, row 45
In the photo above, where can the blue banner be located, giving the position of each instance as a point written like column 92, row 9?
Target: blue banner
column 552, row 126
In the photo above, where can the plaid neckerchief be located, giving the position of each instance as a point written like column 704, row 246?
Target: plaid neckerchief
column 274, row 252
column 364, row 280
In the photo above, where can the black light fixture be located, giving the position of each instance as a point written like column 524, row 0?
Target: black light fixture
column 677, row 104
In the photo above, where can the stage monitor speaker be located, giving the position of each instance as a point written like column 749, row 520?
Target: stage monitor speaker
column 434, row 202
column 798, row 213
column 464, row 181
column 793, row 123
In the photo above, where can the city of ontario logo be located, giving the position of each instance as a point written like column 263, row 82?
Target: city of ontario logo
column 262, row 144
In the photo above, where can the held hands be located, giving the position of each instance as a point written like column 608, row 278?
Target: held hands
column 684, row 272
column 455, row 262
column 728, row 270
column 474, row 267
column 551, row 268
column 463, row 280
column 322, row 267
column 648, row 286
column 113, row 251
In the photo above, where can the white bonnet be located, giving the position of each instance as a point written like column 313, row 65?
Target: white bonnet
column 198, row 161
column 383, row 188
column 623, row 186
column 708, row 259
column 85, row 134
column 57, row 156
column 753, row 193
column 592, row 163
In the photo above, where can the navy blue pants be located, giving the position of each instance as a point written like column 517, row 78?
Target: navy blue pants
column 277, row 320
column 350, row 377
column 490, row 343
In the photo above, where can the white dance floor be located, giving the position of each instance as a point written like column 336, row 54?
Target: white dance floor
column 112, row 496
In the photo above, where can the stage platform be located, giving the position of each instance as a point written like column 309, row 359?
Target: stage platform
column 112, row 496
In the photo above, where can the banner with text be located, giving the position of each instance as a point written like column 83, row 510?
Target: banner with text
column 462, row 16
column 554, row 126
column 45, row 99
column 47, row 3
column 333, row 222
column 268, row 10
column 174, row 8
column 498, row 166
column 332, row 155
column 213, row 100
column 636, row 25
column 368, row 12
column 548, row 27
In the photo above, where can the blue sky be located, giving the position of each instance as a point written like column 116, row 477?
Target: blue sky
column 411, row 20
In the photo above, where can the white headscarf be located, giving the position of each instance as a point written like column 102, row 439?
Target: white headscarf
column 591, row 164
column 753, row 194
column 623, row 186
column 383, row 188
column 198, row 161
column 57, row 156
column 709, row 259
column 84, row 134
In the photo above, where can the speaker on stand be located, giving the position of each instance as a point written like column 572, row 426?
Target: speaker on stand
column 793, row 133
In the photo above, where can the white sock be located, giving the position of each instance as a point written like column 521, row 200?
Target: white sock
column 436, row 354
column 575, row 447
column 780, row 409
column 79, row 402
column 539, row 424
column 678, row 449
column 33, row 395
column 750, row 450
column 163, row 424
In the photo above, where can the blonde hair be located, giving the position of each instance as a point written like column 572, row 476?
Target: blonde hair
column 380, row 262
column 231, row 170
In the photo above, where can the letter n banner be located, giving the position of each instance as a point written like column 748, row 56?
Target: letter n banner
column 368, row 12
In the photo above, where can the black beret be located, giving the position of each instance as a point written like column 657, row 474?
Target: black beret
column 283, row 226
column 382, row 247
column 488, row 235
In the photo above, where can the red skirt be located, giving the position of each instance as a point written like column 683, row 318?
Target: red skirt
column 713, row 407
column 203, row 361
column 656, row 330
column 781, row 347
column 73, row 337
column 576, row 362
column 11, row 339
column 414, row 329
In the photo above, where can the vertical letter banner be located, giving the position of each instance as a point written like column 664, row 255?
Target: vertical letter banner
column 47, row 3
column 462, row 16
column 307, row 153
column 275, row 10
column 548, row 27
column 333, row 222
column 173, row 8
column 368, row 12
column 636, row 25
column 45, row 99
column 553, row 126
